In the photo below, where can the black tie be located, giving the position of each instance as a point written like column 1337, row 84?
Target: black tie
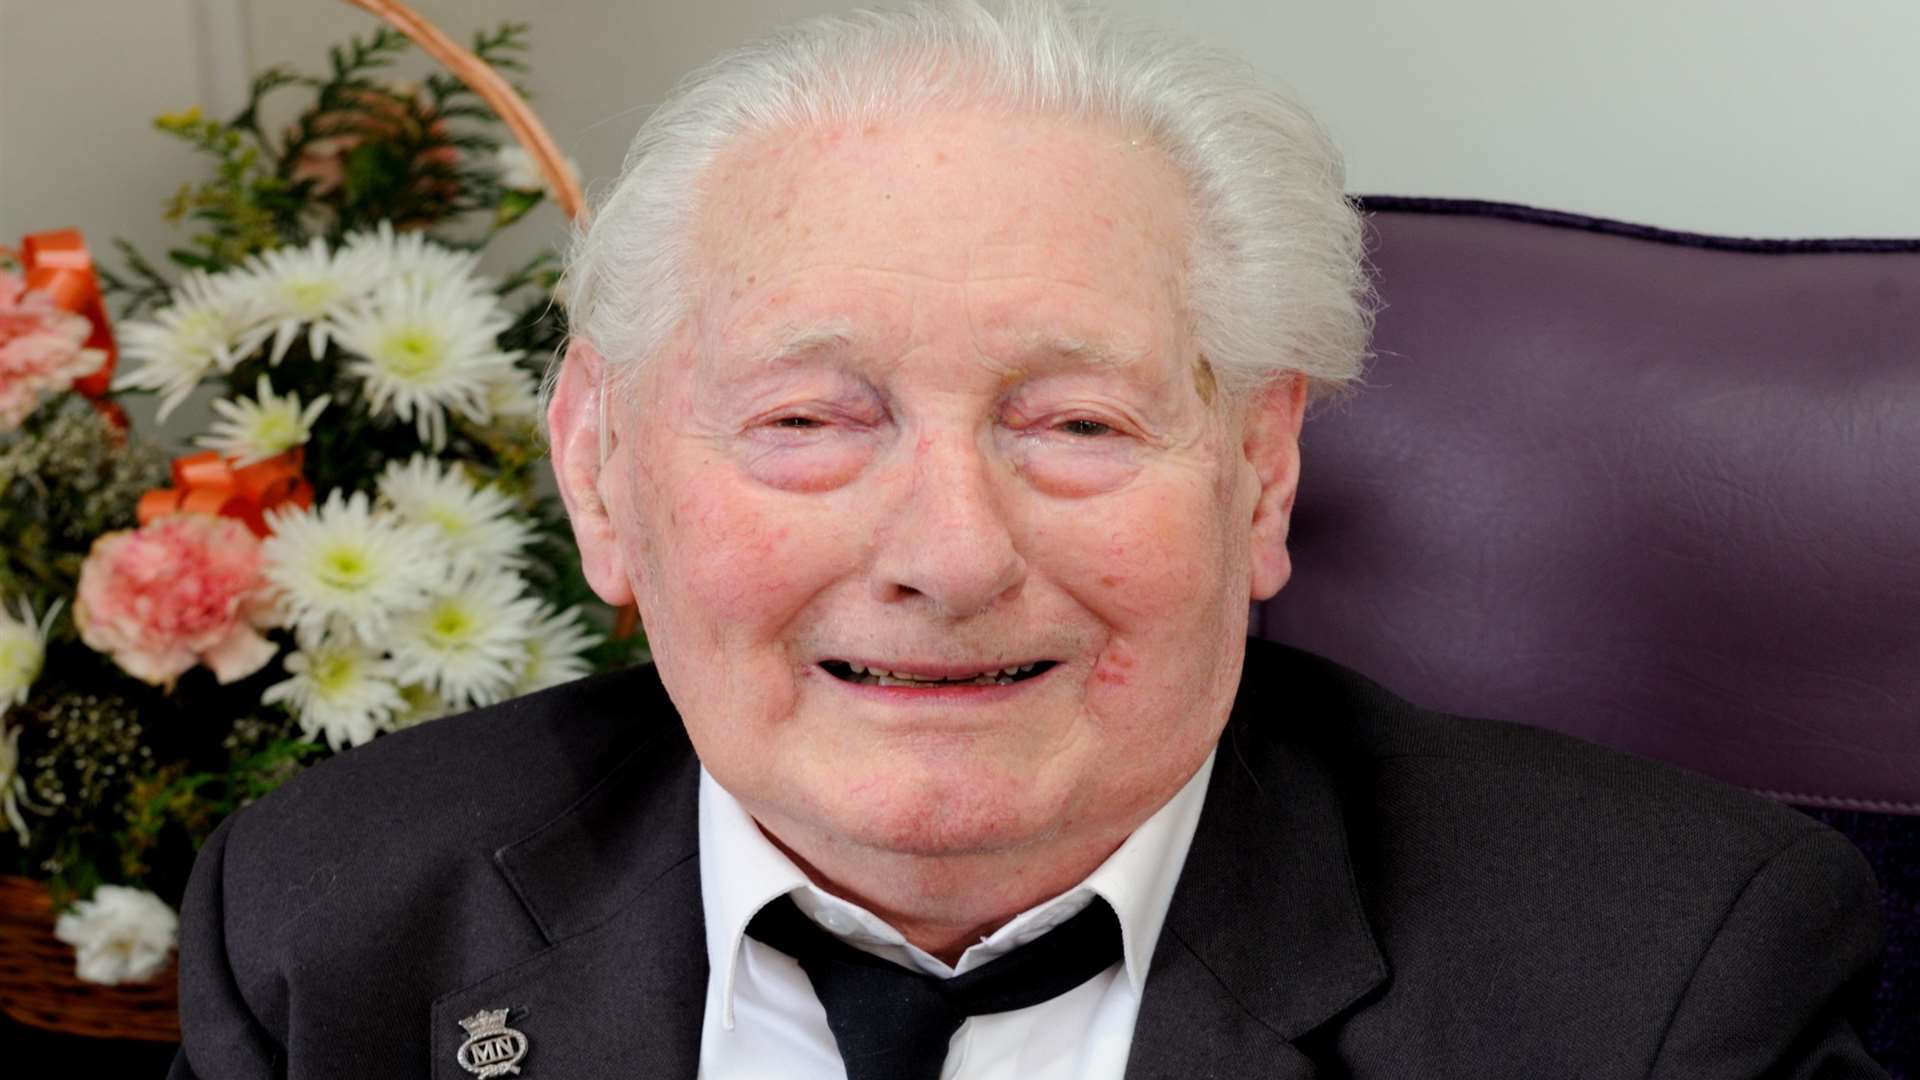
column 894, row 1024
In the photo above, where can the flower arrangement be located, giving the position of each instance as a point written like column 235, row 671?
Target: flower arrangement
column 356, row 546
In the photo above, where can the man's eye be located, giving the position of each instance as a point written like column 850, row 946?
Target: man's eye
column 1084, row 428
column 800, row 422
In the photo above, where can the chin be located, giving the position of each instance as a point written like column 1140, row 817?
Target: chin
column 922, row 809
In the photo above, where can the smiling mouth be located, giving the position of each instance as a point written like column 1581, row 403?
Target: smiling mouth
column 857, row 674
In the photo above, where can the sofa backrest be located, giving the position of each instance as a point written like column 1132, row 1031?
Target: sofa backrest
column 1654, row 489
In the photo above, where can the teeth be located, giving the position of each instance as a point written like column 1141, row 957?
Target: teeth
column 875, row 676
column 977, row 680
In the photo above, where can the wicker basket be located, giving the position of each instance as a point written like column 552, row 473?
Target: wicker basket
column 38, row 987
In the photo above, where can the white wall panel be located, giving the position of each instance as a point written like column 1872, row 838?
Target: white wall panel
column 80, row 83
column 1756, row 117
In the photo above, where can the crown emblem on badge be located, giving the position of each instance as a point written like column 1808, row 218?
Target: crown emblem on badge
column 492, row 1048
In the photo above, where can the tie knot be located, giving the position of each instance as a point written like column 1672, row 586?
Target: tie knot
column 890, row 1022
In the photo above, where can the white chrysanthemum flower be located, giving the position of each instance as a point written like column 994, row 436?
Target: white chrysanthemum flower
column 339, row 689
column 476, row 524
column 515, row 395
column 23, row 650
column 411, row 258
column 518, row 172
column 422, row 705
column 468, row 642
column 306, row 286
column 122, row 934
column 210, row 325
column 422, row 352
column 343, row 562
column 555, row 650
column 250, row 431
column 13, row 786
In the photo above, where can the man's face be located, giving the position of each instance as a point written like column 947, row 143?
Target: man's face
column 938, row 414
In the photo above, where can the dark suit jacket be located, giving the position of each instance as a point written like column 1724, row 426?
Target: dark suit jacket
column 1373, row 891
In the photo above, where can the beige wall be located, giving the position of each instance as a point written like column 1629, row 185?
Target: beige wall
column 80, row 81
column 1758, row 117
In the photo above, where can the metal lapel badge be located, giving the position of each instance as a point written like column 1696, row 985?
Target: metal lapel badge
column 492, row 1048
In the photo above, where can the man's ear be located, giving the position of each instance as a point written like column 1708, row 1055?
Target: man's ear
column 1271, row 444
column 573, row 418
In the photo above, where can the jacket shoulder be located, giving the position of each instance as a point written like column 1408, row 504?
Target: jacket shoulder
column 1571, row 886
column 390, row 833
column 336, row 908
column 1501, row 774
column 471, row 777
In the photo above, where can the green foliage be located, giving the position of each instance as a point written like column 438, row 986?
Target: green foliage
column 66, row 477
column 143, row 289
column 244, row 206
column 80, row 754
column 364, row 150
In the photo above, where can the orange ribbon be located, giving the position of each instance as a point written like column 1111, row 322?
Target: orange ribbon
column 57, row 263
column 205, row 483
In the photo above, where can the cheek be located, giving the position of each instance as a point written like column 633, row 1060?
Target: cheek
column 740, row 560
column 1158, row 559
column 728, row 555
column 1157, row 572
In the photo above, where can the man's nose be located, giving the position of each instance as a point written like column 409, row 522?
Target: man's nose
column 948, row 541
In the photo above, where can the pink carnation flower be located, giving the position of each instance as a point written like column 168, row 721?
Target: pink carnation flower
column 42, row 349
column 184, row 589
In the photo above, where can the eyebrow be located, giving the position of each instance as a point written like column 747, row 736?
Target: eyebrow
column 794, row 343
column 1097, row 353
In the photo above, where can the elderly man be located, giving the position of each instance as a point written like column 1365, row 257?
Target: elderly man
column 935, row 392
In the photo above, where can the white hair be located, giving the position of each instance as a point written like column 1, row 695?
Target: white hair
column 1275, row 271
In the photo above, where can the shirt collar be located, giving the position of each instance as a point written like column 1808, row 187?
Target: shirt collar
column 741, row 871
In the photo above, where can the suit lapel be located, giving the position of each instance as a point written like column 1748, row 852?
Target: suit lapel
column 1266, row 938
column 1190, row 1027
column 614, row 886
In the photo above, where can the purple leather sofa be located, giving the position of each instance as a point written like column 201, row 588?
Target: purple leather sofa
column 1655, row 489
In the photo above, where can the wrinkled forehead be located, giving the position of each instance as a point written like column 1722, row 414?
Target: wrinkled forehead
column 1042, row 228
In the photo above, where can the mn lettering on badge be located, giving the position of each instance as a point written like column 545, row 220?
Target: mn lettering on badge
column 492, row 1048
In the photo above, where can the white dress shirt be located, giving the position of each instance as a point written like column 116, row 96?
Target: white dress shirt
column 763, row 1020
